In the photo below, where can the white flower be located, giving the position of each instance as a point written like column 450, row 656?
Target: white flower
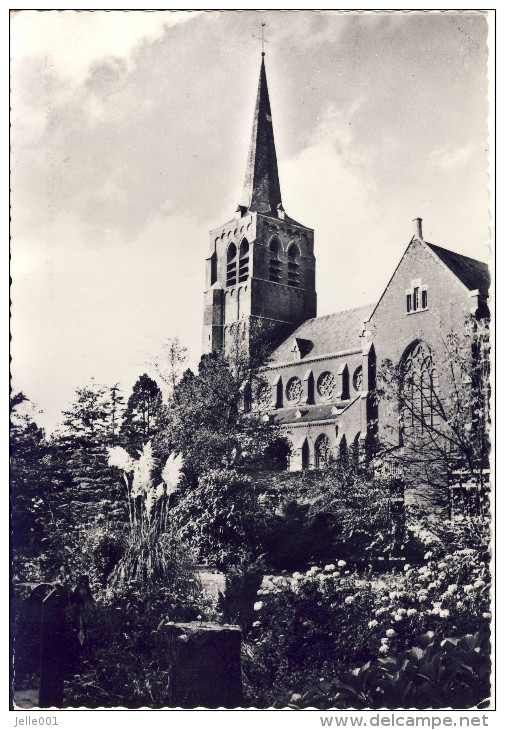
column 349, row 599
column 384, row 640
column 341, row 563
column 297, row 576
column 142, row 471
column 442, row 565
column 390, row 632
column 256, row 623
column 468, row 588
column 459, row 604
column 380, row 611
column 258, row 605
column 160, row 491
column 452, row 588
column 444, row 613
column 120, row 458
column 402, row 611
column 171, row 473
column 411, row 611
column 428, row 555
column 372, row 624
column 398, row 617
column 406, row 567
column 329, row 568
column 393, row 595
column 150, row 499
column 486, row 614
column 479, row 583
column 383, row 649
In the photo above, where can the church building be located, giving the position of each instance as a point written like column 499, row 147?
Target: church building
column 321, row 372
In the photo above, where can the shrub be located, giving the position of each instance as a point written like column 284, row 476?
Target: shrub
column 432, row 674
column 242, row 585
column 220, row 517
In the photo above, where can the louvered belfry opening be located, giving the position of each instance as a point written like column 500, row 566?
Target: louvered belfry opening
column 293, row 266
column 275, row 264
column 243, row 270
column 231, row 265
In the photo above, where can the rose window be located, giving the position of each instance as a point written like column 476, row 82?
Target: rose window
column 326, row 385
column 357, row 378
column 264, row 396
column 294, row 390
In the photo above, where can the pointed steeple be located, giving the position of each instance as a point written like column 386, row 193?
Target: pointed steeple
column 262, row 191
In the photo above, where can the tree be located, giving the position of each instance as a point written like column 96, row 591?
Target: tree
column 169, row 367
column 85, row 492
column 207, row 422
column 144, row 415
column 438, row 410
column 116, row 413
column 28, row 479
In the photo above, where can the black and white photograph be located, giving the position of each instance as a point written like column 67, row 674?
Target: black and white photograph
column 252, row 361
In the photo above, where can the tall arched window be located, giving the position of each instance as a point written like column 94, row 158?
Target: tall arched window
column 293, row 265
column 243, row 266
column 417, row 389
column 343, row 454
column 322, row 451
column 213, row 268
column 305, row 455
column 275, row 265
column 231, row 265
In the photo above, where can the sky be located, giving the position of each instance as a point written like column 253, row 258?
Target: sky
column 129, row 140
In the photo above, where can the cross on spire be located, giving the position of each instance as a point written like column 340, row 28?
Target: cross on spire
column 262, row 38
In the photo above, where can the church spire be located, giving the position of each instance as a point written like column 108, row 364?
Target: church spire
column 262, row 191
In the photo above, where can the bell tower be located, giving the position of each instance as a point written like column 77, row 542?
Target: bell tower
column 260, row 275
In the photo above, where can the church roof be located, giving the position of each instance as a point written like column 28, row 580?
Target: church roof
column 332, row 333
column 472, row 273
column 308, row 414
column 262, row 191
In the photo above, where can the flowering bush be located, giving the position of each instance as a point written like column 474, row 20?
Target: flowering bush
column 303, row 626
column 326, row 620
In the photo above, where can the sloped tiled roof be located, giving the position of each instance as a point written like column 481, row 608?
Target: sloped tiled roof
column 331, row 333
column 472, row 273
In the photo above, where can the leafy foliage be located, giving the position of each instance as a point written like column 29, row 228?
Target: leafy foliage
column 432, row 674
column 220, row 517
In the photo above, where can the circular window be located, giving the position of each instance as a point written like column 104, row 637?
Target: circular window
column 326, row 384
column 294, row 390
column 357, row 378
column 264, row 395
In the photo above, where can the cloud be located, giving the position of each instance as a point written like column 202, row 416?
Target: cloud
column 448, row 159
column 72, row 40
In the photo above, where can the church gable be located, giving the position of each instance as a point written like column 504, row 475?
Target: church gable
column 432, row 292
